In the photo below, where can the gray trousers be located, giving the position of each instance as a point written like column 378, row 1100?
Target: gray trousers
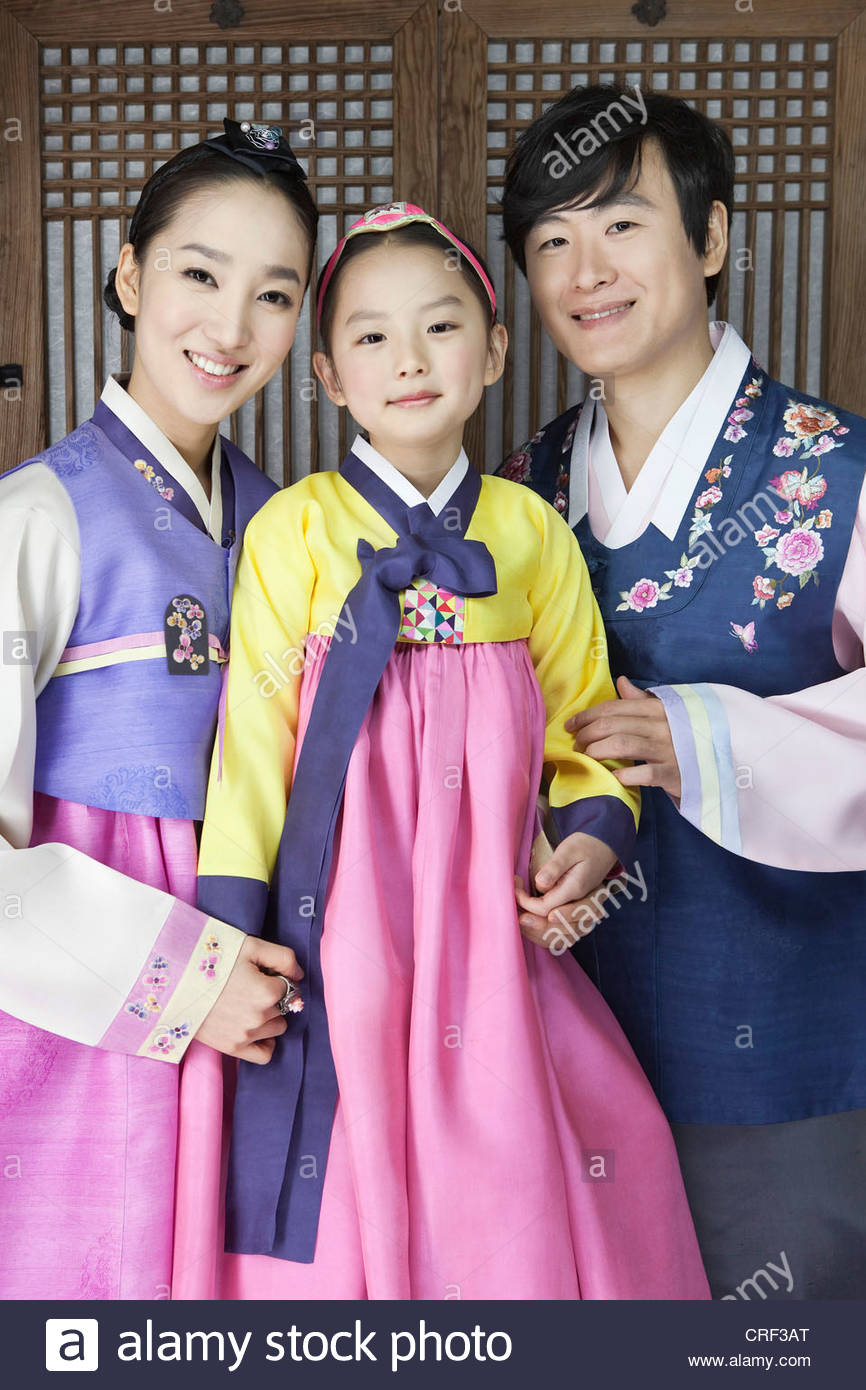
column 780, row 1210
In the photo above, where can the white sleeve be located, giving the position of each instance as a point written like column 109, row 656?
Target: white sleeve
column 782, row 779
column 76, row 938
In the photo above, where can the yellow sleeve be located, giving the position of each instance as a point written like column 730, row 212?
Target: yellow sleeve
column 251, row 772
column 569, row 652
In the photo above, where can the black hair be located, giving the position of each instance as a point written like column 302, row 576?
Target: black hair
column 697, row 152
column 412, row 234
column 193, row 170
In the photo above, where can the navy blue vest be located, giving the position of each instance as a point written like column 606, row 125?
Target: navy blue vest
column 742, row 988
column 134, row 735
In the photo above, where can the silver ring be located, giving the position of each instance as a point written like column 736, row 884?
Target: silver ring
column 287, row 1004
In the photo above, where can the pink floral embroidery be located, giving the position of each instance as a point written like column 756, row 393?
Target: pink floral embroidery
column 683, row 577
column 766, row 534
column 783, row 517
column 784, row 448
column 646, row 593
column 157, row 982
column 824, row 445
column 735, row 433
column 799, row 551
column 763, row 587
column 709, row 497
column 517, row 469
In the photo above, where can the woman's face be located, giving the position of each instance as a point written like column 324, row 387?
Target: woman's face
column 216, row 301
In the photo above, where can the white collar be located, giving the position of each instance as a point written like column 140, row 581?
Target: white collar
column 397, row 482
column 667, row 480
column 118, row 400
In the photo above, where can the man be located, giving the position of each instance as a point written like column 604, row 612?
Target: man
column 723, row 519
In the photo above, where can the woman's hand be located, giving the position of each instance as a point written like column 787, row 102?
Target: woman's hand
column 245, row 1020
column 635, row 727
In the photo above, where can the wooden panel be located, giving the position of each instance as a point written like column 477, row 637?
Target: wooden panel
column 846, row 343
column 463, row 170
column 683, row 19
column 113, row 113
column 22, row 421
column 777, row 101
column 103, row 21
column 416, row 97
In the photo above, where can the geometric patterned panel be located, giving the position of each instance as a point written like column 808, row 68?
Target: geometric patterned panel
column 775, row 100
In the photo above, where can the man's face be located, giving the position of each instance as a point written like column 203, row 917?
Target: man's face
column 619, row 288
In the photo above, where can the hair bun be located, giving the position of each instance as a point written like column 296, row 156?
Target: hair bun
column 112, row 299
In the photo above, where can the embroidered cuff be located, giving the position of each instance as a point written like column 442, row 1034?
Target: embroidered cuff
column 183, row 974
column 605, row 817
column 702, row 744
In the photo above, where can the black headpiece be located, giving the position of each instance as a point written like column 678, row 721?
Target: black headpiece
column 260, row 147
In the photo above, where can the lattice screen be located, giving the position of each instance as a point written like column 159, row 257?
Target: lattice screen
column 113, row 115
column 775, row 99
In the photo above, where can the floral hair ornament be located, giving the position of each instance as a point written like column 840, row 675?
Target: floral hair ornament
column 258, row 146
column 385, row 219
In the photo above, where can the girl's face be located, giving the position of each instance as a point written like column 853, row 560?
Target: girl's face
column 216, row 302
column 410, row 348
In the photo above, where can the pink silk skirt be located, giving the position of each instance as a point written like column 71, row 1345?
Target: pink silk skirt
column 494, row 1135
column 88, row 1137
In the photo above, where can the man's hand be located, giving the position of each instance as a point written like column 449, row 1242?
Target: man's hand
column 633, row 727
column 245, row 1020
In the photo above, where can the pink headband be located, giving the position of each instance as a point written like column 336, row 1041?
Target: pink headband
column 385, row 218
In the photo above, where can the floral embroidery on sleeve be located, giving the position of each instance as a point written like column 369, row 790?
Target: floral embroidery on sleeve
column 165, row 1038
column 155, row 979
column 210, row 960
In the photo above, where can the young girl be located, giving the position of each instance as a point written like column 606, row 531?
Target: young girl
column 452, row 1113
column 117, row 552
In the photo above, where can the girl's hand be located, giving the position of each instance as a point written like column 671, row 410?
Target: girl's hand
column 566, row 925
column 573, row 871
column 635, row 726
column 245, row 1020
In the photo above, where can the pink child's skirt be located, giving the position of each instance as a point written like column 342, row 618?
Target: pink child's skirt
column 494, row 1135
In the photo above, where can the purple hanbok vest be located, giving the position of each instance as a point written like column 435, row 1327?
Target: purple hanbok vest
column 127, row 721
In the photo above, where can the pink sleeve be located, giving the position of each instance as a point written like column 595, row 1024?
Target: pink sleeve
column 782, row 779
